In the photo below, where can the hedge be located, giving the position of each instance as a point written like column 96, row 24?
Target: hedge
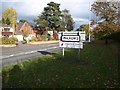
column 6, row 40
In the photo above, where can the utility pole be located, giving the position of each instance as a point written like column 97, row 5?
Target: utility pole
column 89, row 20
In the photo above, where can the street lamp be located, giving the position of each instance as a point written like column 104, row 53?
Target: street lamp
column 89, row 20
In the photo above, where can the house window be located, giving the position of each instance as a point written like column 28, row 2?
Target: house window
column 5, row 35
column 6, row 29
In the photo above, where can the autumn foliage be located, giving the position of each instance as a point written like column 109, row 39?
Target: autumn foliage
column 109, row 13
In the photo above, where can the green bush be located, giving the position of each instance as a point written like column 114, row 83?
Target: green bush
column 33, row 39
column 6, row 40
column 13, row 40
column 24, row 42
column 44, row 37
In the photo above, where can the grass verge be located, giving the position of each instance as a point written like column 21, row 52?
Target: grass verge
column 97, row 68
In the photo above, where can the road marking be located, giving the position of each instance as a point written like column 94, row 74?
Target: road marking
column 11, row 55
column 30, row 52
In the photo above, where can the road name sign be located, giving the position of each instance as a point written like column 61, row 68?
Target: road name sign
column 72, row 39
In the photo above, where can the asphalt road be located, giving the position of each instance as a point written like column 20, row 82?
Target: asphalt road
column 23, row 52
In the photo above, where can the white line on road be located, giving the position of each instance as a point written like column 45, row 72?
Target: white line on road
column 30, row 52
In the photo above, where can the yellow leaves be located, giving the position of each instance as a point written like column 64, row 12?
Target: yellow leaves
column 11, row 14
column 106, row 27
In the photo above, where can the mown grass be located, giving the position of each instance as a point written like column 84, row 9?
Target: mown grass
column 97, row 68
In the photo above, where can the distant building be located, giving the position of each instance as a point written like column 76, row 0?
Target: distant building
column 6, row 31
column 24, row 27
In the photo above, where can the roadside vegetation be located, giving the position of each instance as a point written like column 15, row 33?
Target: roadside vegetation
column 6, row 40
column 97, row 68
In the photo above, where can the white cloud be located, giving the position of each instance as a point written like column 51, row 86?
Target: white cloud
column 79, row 9
column 80, row 20
column 10, row 0
column 32, row 8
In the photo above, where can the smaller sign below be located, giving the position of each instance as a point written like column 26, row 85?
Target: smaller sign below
column 70, row 38
column 71, row 44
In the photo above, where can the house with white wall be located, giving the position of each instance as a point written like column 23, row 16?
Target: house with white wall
column 6, row 31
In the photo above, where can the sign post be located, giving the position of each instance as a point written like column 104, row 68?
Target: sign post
column 79, row 54
column 71, row 40
column 62, row 52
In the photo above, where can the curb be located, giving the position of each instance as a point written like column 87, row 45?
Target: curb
column 42, row 42
column 6, row 46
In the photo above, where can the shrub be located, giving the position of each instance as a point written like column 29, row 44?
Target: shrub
column 6, row 40
column 38, row 38
column 13, row 40
column 55, row 36
column 44, row 37
column 49, row 36
column 33, row 39
column 24, row 42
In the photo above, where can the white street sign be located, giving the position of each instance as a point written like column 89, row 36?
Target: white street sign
column 71, row 44
column 70, row 38
column 73, row 33
column 82, row 36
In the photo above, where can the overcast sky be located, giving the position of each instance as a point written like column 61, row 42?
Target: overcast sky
column 30, row 9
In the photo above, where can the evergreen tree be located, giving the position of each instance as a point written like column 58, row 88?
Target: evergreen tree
column 8, row 21
column 50, row 17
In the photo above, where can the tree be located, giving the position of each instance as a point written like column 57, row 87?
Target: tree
column 0, row 21
column 22, row 21
column 50, row 17
column 11, row 14
column 25, row 34
column 3, row 21
column 68, row 20
column 7, row 21
column 108, row 12
column 85, row 27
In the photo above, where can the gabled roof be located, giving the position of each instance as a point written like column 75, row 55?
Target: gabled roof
column 17, row 31
column 20, row 25
column 31, row 24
